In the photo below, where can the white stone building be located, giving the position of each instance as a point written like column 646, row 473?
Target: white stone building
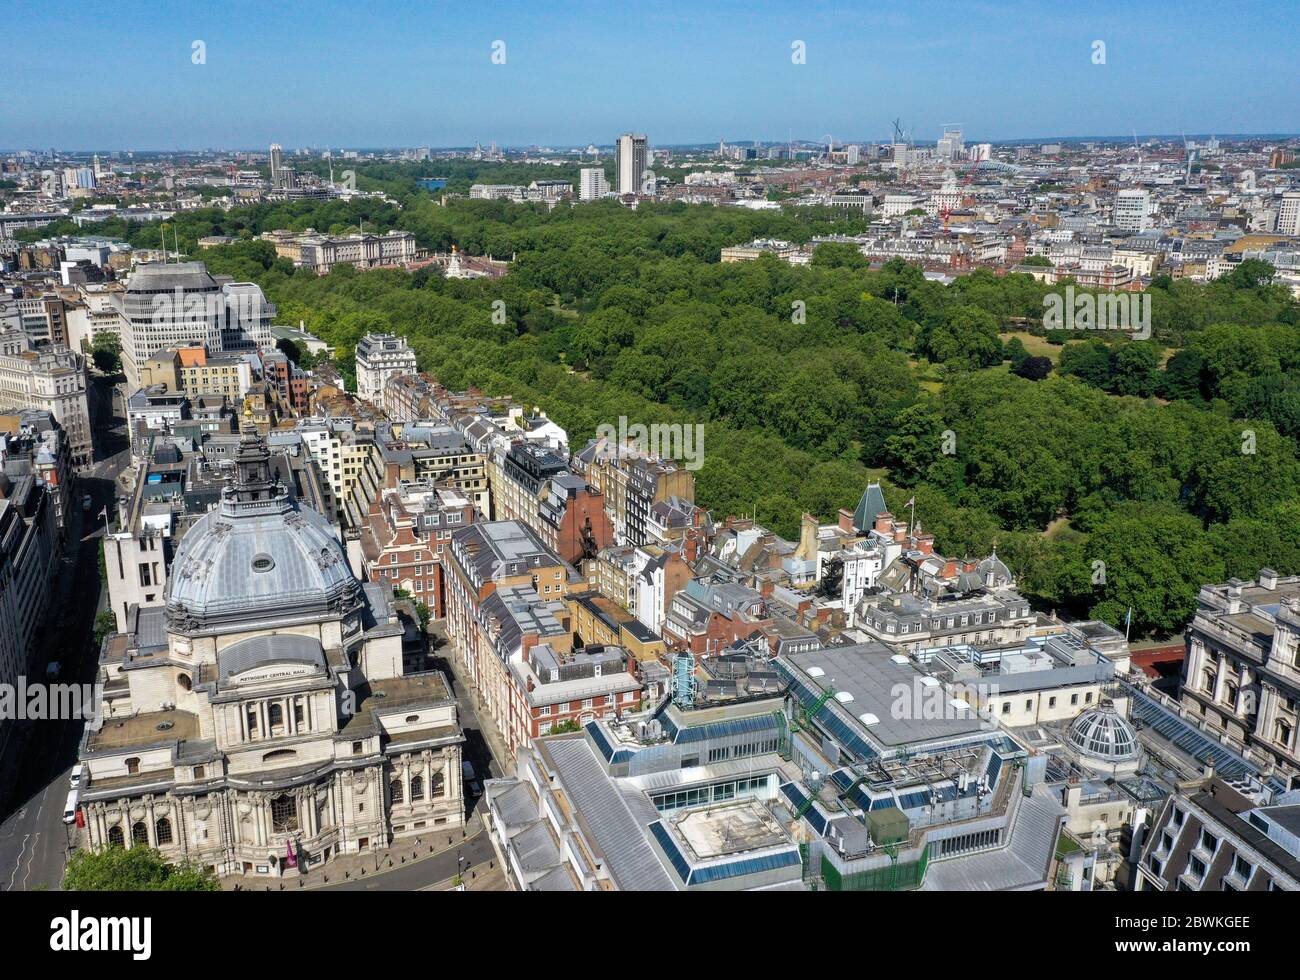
column 52, row 378
column 380, row 357
column 260, row 722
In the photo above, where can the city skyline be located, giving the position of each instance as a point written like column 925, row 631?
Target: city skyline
column 538, row 78
column 776, row 448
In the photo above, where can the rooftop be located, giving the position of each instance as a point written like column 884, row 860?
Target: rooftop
column 146, row 728
column 719, row 831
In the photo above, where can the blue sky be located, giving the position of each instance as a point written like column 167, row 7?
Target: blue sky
column 403, row 73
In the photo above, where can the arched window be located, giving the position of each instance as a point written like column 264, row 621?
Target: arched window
column 139, row 833
column 439, row 785
column 284, row 813
column 162, row 830
column 280, row 755
column 183, row 681
column 275, row 717
column 132, row 765
column 417, row 788
column 395, row 791
column 115, row 837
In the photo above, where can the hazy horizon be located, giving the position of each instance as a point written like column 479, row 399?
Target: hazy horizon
column 419, row 74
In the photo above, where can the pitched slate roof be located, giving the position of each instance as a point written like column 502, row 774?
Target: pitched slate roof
column 871, row 505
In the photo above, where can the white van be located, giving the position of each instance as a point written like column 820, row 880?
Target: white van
column 70, row 808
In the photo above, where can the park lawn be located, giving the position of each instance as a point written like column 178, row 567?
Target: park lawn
column 1037, row 346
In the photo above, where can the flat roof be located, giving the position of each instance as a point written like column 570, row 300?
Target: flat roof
column 719, row 831
column 896, row 694
column 147, row 728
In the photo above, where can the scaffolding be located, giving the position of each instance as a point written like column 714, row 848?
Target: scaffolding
column 893, row 877
column 684, row 688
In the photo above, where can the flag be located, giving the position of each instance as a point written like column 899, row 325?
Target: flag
column 103, row 512
column 290, row 858
column 1128, row 617
column 910, row 503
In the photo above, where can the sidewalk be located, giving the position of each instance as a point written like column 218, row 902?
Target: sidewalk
column 491, row 881
column 370, row 865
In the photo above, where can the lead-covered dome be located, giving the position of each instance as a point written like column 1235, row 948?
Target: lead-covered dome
column 258, row 558
column 1100, row 733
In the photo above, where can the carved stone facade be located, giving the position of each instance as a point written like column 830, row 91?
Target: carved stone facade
column 1242, row 670
column 260, row 723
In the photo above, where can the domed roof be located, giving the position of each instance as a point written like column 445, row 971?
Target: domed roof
column 1101, row 733
column 257, row 558
column 993, row 571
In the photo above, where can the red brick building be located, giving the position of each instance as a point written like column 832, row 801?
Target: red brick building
column 404, row 537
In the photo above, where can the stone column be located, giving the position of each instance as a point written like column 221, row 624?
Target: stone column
column 1267, row 712
column 1220, row 676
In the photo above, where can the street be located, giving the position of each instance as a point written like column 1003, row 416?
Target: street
column 37, row 760
column 34, row 768
column 477, row 850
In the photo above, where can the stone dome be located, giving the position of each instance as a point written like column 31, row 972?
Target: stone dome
column 1100, row 733
column 258, row 558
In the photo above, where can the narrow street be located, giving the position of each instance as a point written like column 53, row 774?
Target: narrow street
column 36, row 762
column 483, row 749
column 34, row 768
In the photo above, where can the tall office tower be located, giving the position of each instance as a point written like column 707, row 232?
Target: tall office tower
column 169, row 304
column 1131, row 209
column 277, row 164
column 1288, row 214
column 950, row 145
column 632, row 155
column 592, row 184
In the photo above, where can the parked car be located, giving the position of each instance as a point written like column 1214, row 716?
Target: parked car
column 74, row 780
column 70, row 807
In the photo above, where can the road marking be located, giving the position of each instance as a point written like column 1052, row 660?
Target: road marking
column 18, row 862
column 30, row 860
